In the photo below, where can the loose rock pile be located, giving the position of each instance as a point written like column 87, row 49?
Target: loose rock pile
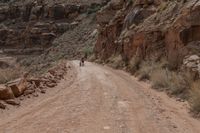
column 13, row 91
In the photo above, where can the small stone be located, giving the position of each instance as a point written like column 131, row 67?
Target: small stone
column 27, row 92
column 178, row 99
column 106, row 128
column 13, row 102
column 43, row 91
column 51, row 85
column 2, row 106
column 122, row 126
column 21, row 98
column 174, row 126
column 35, row 95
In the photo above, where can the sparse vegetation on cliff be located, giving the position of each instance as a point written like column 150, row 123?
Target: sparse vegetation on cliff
column 9, row 74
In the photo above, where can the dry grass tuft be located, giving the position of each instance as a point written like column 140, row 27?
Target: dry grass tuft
column 160, row 79
column 145, row 70
column 195, row 97
column 134, row 64
column 172, row 82
column 180, row 84
column 9, row 74
column 116, row 61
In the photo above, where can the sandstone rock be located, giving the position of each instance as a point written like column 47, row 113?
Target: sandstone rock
column 193, row 58
column 18, row 86
column 191, row 65
column 2, row 106
column 73, row 24
column 105, row 15
column 27, row 92
column 14, row 102
column 21, row 98
column 43, row 91
column 50, row 84
column 6, row 92
column 37, row 81
column 35, row 94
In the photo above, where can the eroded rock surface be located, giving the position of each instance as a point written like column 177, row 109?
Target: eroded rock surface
column 34, row 24
column 149, row 29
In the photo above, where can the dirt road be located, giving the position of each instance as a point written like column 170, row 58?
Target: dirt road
column 100, row 100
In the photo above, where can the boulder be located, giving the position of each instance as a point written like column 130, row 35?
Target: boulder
column 193, row 58
column 18, row 86
column 6, row 93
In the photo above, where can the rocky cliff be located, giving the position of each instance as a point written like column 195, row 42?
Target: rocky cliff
column 36, row 23
column 150, row 29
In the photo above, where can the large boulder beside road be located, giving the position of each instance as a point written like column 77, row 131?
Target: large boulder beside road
column 6, row 93
column 18, row 86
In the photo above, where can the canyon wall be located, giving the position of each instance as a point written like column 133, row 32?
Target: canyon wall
column 35, row 24
column 149, row 29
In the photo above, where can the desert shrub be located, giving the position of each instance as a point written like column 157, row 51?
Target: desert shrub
column 146, row 68
column 179, row 84
column 134, row 64
column 173, row 82
column 144, row 75
column 160, row 79
column 116, row 61
column 195, row 97
column 88, row 50
column 9, row 74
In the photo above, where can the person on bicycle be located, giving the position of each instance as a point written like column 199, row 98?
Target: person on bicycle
column 82, row 61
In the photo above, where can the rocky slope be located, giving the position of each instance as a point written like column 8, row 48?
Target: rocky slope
column 35, row 24
column 35, row 36
column 150, row 29
column 40, row 32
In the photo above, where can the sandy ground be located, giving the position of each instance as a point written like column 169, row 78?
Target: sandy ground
column 100, row 100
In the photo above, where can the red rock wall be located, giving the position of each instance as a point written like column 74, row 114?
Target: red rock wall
column 172, row 29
